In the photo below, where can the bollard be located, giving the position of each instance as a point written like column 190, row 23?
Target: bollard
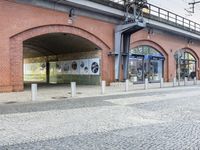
column 73, row 89
column 174, row 82
column 33, row 92
column 146, row 83
column 185, row 81
column 126, row 85
column 103, row 86
column 161, row 83
column 195, row 81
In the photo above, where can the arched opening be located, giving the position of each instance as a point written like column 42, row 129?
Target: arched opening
column 57, row 54
column 145, row 62
column 187, row 65
column 61, row 58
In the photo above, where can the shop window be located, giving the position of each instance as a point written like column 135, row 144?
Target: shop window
column 187, row 66
column 145, row 62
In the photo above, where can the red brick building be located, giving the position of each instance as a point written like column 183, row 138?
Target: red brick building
column 32, row 33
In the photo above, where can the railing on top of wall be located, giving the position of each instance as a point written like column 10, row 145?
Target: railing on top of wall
column 163, row 15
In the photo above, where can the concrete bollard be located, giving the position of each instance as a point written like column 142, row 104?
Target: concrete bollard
column 103, row 86
column 73, row 89
column 185, row 81
column 33, row 92
column 126, row 85
column 195, row 81
column 161, row 83
column 174, row 82
column 146, row 83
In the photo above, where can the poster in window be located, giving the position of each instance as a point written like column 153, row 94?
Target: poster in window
column 84, row 66
column 66, row 67
column 94, row 66
column 75, row 67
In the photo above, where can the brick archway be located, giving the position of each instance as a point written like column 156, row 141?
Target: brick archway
column 194, row 54
column 158, row 48
column 191, row 51
column 16, row 50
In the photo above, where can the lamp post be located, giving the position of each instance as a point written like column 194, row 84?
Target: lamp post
column 178, row 56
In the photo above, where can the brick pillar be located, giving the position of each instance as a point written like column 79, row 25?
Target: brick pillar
column 105, row 67
column 5, row 67
column 16, row 62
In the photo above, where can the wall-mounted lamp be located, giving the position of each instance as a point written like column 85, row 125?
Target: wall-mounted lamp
column 71, row 15
column 150, row 32
column 189, row 42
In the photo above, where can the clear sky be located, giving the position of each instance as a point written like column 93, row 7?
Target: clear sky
column 178, row 7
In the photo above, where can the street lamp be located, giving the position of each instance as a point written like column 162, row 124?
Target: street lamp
column 71, row 15
column 178, row 55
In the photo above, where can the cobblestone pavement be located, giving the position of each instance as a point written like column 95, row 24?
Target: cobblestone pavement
column 160, row 119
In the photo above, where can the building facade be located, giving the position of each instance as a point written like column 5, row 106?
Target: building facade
column 59, row 43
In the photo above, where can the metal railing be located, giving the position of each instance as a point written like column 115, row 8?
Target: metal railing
column 118, row 1
column 162, row 15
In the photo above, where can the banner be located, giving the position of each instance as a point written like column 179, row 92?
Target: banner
column 94, row 66
column 84, row 66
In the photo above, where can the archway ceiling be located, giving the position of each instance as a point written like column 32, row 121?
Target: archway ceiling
column 56, row 44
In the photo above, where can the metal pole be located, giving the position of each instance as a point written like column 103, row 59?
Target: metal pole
column 195, row 81
column 174, row 82
column 179, row 72
column 161, row 83
column 33, row 92
column 126, row 85
column 146, row 84
column 103, row 86
column 185, row 81
column 73, row 89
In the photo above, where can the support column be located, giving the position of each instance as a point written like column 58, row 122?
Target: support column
column 122, row 44
column 126, row 55
column 118, row 43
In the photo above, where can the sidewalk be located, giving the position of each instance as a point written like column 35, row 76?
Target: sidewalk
column 62, row 92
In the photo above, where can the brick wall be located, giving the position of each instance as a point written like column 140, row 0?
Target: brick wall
column 20, row 22
column 167, row 43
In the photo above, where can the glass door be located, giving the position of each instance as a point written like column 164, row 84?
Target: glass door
column 155, row 69
column 188, row 69
column 136, row 69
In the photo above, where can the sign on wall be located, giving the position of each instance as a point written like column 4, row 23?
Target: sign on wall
column 94, row 66
column 84, row 66
column 79, row 67
column 75, row 67
column 66, row 67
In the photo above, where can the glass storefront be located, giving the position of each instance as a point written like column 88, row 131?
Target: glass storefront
column 145, row 62
column 187, row 66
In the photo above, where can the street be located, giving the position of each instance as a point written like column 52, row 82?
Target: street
column 158, row 119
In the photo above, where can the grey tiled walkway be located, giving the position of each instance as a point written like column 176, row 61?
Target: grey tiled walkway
column 157, row 119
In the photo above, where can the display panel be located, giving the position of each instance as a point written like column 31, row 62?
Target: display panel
column 84, row 66
column 35, row 72
column 94, row 66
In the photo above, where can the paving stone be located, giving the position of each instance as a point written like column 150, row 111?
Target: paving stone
column 157, row 120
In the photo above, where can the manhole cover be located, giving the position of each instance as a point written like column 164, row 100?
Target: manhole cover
column 11, row 102
column 59, row 97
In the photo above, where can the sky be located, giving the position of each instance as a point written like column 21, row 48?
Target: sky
column 178, row 7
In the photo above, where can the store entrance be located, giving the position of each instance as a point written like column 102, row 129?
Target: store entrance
column 136, row 68
column 145, row 62
column 155, row 68
column 187, row 66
